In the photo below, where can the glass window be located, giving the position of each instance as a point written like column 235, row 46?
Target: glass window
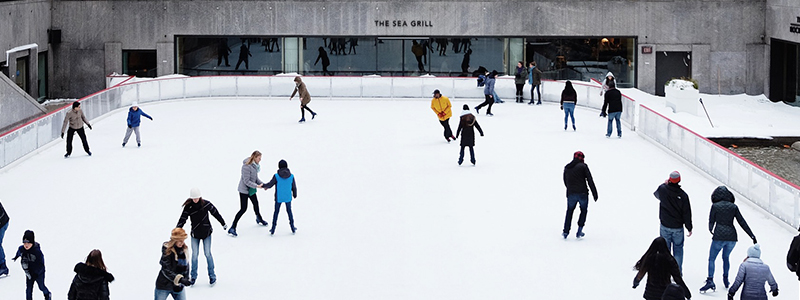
column 585, row 58
column 229, row 55
column 339, row 55
column 141, row 63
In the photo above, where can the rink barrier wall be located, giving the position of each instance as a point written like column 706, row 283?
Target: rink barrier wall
column 771, row 192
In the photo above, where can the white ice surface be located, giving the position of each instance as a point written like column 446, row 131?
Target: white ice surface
column 383, row 210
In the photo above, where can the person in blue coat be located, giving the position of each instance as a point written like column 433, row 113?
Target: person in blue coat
column 3, row 226
column 285, row 191
column 33, row 264
column 134, row 120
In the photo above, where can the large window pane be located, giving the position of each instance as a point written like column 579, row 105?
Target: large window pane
column 390, row 57
column 229, row 55
column 345, row 56
column 585, row 58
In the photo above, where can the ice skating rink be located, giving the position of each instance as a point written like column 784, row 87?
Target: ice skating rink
column 383, row 209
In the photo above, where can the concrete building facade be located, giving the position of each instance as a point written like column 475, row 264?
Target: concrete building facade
column 724, row 43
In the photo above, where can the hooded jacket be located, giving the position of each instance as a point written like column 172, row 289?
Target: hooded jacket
column 753, row 273
column 488, row 87
column 32, row 260
column 174, row 266
column 576, row 176
column 466, row 127
column 135, row 117
column 284, row 191
column 613, row 101
column 198, row 212
column 605, row 82
column 675, row 210
column 442, row 105
column 300, row 87
column 89, row 283
column 720, row 219
column 249, row 177
column 75, row 119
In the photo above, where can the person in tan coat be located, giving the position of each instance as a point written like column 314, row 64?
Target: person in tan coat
column 75, row 118
column 441, row 106
column 305, row 98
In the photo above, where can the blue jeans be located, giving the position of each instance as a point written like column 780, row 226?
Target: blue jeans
column 496, row 99
column 206, row 252
column 674, row 237
column 569, row 110
column 29, row 285
column 162, row 295
column 538, row 92
column 716, row 246
column 2, row 252
column 572, row 201
column 614, row 116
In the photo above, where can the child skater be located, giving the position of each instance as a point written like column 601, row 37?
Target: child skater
column 134, row 120
column 33, row 265
column 285, row 191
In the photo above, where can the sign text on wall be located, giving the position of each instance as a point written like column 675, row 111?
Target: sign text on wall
column 403, row 23
column 795, row 27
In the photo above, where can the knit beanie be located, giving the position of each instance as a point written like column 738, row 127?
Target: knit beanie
column 674, row 177
column 195, row 193
column 578, row 155
column 282, row 164
column 178, row 234
column 754, row 251
column 28, row 237
column 76, row 104
column 465, row 107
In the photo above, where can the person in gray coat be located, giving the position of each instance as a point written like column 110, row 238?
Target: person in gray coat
column 75, row 119
column 720, row 224
column 488, row 92
column 248, row 185
column 753, row 273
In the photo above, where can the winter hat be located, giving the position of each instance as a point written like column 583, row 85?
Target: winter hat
column 578, row 155
column 28, row 237
column 754, row 251
column 674, row 177
column 135, row 103
column 436, row 92
column 76, row 104
column 282, row 164
column 195, row 193
column 178, row 234
column 721, row 193
column 494, row 73
column 465, row 107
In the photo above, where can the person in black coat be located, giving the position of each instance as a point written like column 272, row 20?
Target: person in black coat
column 659, row 266
column 675, row 212
column 720, row 224
column 325, row 60
column 576, row 177
column 223, row 51
column 174, row 273
column 569, row 98
column 673, row 292
column 197, row 209
column 33, row 264
column 244, row 54
column 3, row 226
column 793, row 256
column 91, row 279
column 613, row 101
column 466, row 125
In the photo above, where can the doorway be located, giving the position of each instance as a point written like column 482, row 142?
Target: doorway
column 783, row 72
column 669, row 65
column 21, row 78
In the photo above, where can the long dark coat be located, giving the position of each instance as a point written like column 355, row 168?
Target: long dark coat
column 465, row 127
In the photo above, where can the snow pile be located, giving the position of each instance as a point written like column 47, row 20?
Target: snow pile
column 681, row 84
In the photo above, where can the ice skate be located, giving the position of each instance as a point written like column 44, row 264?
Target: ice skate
column 725, row 281
column 313, row 114
column 302, row 120
column 261, row 221
column 580, row 233
column 232, row 232
column 709, row 285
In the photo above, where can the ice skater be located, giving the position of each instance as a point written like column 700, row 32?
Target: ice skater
column 576, row 177
column 607, row 82
column 305, row 98
column 675, row 212
column 720, row 224
column 285, row 191
column 613, row 101
column 659, row 265
column 793, row 256
column 488, row 93
column 441, row 106
column 33, row 265
column 3, row 226
column 75, row 119
column 535, row 79
column 520, row 75
column 753, row 274
column 174, row 273
column 91, row 279
column 134, row 120
column 568, row 100
column 197, row 209
column 465, row 128
column 248, row 184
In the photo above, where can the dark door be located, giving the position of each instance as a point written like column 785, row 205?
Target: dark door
column 783, row 71
column 21, row 78
column 671, row 65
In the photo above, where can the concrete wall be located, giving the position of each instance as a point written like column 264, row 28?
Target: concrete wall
column 15, row 105
column 722, row 29
column 23, row 23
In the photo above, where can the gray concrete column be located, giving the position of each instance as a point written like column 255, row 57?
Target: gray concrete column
column 646, row 69
column 165, row 55
column 757, row 69
column 113, row 58
column 701, row 69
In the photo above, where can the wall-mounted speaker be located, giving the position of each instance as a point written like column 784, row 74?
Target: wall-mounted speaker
column 54, row 36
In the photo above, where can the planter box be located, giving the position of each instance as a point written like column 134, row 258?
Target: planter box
column 686, row 100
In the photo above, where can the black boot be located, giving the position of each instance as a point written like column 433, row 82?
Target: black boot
column 3, row 269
